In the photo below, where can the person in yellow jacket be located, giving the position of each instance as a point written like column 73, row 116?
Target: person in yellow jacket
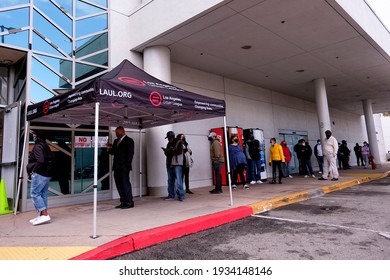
column 275, row 160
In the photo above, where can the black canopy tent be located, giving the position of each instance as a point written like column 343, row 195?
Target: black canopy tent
column 129, row 97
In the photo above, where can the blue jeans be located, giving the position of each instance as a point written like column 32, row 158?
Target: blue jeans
column 175, row 175
column 286, row 168
column 256, row 169
column 39, row 188
column 307, row 163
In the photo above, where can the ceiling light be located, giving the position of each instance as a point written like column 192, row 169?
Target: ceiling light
column 246, row 47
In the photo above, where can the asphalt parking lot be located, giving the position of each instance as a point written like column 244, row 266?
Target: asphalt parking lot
column 351, row 224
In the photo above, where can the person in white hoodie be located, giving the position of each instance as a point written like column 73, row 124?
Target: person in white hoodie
column 330, row 148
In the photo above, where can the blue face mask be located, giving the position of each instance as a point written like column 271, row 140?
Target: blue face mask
column 118, row 135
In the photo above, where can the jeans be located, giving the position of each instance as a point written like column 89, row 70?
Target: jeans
column 286, row 169
column 218, row 176
column 256, row 170
column 320, row 160
column 175, row 175
column 307, row 163
column 39, row 188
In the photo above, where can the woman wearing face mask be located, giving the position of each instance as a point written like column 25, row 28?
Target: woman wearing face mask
column 237, row 162
column 276, row 159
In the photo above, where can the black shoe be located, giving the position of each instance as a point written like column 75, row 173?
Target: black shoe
column 120, row 205
column 215, row 191
column 190, row 192
column 273, row 182
column 335, row 179
column 127, row 206
column 322, row 179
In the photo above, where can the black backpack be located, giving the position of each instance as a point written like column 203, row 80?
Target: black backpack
column 254, row 150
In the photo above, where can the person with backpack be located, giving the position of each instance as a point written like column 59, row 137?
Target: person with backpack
column 174, row 163
column 40, row 169
column 254, row 152
column 186, row 163
column 237, row 162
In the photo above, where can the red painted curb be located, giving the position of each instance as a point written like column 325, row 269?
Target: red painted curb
column 157, row 235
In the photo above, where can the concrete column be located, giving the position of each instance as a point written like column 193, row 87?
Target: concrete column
column 322, row 107
column 371, row 131
column 158, row 64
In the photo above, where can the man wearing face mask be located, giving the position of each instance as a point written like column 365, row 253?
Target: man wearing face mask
column 217, row 159
column 123, row 151
column 330, row 149
column 275, row 160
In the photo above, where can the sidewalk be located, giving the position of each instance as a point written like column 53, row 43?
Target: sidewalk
column 153, row 219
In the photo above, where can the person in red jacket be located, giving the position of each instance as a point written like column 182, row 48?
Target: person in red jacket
column 287, row 157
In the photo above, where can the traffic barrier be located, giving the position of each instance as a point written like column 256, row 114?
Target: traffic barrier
column 4, row 209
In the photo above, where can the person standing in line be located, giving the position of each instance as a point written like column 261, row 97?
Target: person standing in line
column 248, row 169
column 319, row 155
column 287, row 158
column 40, row 169
column 330, row 149
column 344, row 153
column 123, row 151
column 276, row 159
column 366, row 154
column 254, row 152
column 358, row 153
column 237, row 162
column 306, row 152
column 174, row 163
column 298, row 150
column 217, row 159
column 186, row 167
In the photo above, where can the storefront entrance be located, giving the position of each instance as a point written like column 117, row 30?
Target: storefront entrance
column 292, row 138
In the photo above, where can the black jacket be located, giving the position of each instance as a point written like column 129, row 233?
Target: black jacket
column 41, row 160
column 123, row 153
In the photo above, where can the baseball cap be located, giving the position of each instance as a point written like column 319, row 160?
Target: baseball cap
column 212, row 134
column 170, row 134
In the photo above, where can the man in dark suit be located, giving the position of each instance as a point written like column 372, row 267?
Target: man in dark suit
column 123, row 151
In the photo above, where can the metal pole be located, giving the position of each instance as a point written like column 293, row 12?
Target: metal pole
column 227, row 160
column 140, row 163
column 95, row 168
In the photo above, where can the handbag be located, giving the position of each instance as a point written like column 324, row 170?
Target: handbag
column 188, row 159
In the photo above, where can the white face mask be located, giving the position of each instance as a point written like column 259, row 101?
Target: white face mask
column 303, row 144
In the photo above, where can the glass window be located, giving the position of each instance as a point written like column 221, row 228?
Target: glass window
column 101, row 58
column 44, row 27
column 102, row 3
column 60, row 65
column 83, row 71
column 3, row 86
column 14, row 19
column 46, row 76
column 91, row 45
column 66, row 6
column 91, row 25
column 39, row 93
column 41, row 45
column 10, row 3
column 19, row 39
column 84, row 9
column 55, row 15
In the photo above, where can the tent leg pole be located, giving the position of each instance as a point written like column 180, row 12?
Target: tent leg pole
column 227, row 160
column 26, row 135
column 140, row 163
column 95, row 169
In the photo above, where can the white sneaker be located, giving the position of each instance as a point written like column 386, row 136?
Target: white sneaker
column 320, row 172
column 32, row 220
column 313, row 176
column 253, row 182
column 289, row 176
column 245, row 187
column 234, row 187
column 306, row 176
column 41, row 219
column 259, row 181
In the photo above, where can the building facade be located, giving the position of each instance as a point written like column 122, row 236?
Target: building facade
column 231, row 50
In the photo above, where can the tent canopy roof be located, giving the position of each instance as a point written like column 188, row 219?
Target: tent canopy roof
column 127, row 96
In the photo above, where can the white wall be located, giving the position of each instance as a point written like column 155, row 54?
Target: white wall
column 248, row 106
